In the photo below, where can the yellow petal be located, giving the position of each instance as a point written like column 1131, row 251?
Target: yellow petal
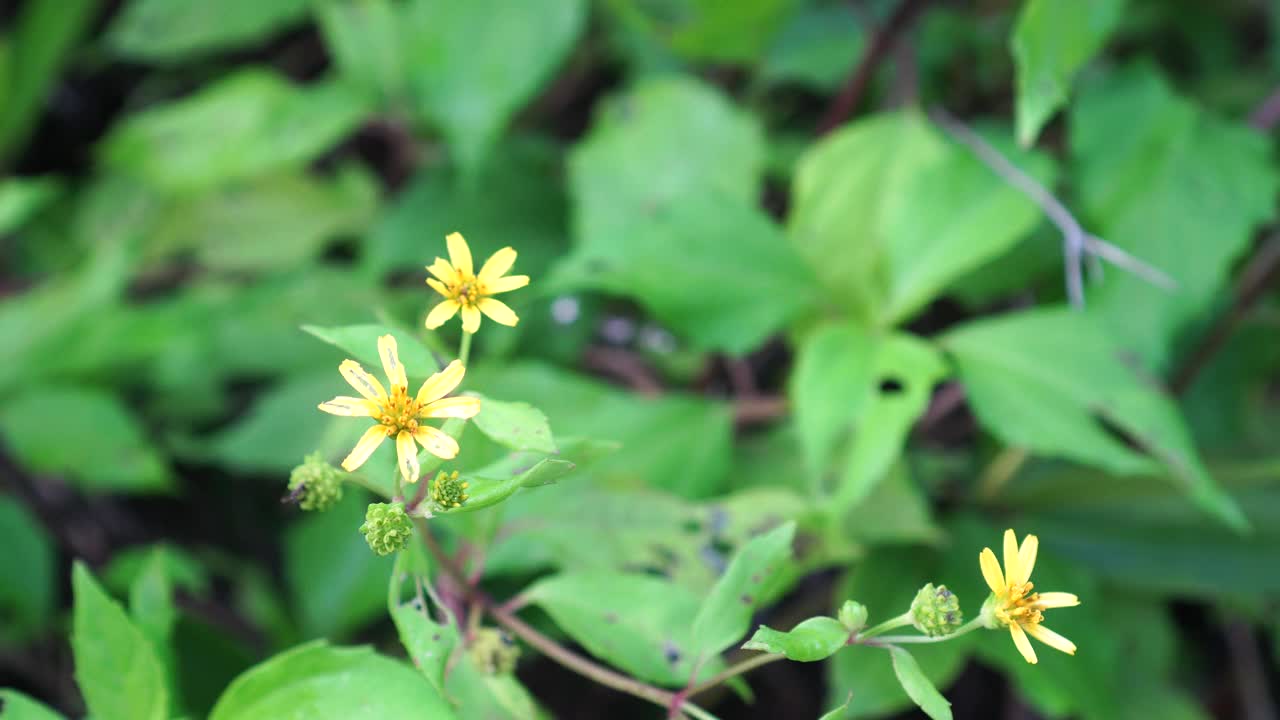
column 442, row 383
column 438, row 286
column 1027, row 555
column 390, row 355
column 497, row 265
column 505, row 284
column 1012, row 566
column 1022, row 643
column 364, row 383
column 369, row 442
column 441, row 313
column 470, row 319
column 349, row 406
column 499, row 311
column 443, row 270
column 459, row 253
column 1052, row 639
column 437, row 442
column 991, row 572
column 407, row 456
column 1048, row 600
column 454, row 407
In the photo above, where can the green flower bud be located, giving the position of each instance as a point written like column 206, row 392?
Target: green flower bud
column 936, row 611
column 387, row 527
column 448, row 492
column 494, row 651
column 853, row 616
column 315, row 484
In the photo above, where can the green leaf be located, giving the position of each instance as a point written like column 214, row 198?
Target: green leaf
column 180, row 567
column 320, row 682
column 244, row 125
column 20, row 198
column 16, row 706
column 675, row 263
column 1050, row 380
column 363, row 38
column 361, row 343
column 298, row 212
column 116, row 669
column 710, row 30
column 111, row 453
column 917, row 685
column 817, row 638
column 847, row 377
column 45, row 33
column 493, row 697
column 474, row 64
column 817, row 49
column 152, row 609
column 676, row 442
column 642, row 155
column 26, row 573
column 516, row 425
column 429, row 644
column 1051, row 41
column 336, row 583
column 888, row 214
column 726, row 612
column 1174, row 186
column 639, row 623
column 837, row 713
column 168, row 31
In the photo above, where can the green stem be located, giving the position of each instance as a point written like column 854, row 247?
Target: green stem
column 968, row 627
column 747, row 665
column 887, row 625
column 464, row 348
column 697, row 712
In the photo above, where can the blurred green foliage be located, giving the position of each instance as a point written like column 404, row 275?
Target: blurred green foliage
column 738, row 329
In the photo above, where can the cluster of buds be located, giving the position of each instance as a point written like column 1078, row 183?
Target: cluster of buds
column 315, row 484
column 936, row 611
column 448, row 492
column 387, row 527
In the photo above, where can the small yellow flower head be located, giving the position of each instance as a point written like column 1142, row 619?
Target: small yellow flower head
column 387, row 527
column 448, row 491
column 315, row 484
column 936, row 611
column 494, row 651
column 469, row 292
column 398, row 414
column 1012, row 603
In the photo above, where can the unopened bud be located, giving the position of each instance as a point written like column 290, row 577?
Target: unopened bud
column 853, row 615
column 315, row 484
column 494, row 651
column 387, row 528
column 936, row 611
column 448, row 492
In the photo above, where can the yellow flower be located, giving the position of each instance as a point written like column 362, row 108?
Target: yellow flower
column 464, row 289
column 1013, row 605
column 397, row 414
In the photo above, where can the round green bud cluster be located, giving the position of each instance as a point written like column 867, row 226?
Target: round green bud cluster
column 494, row 651
column 387, row 527
column 936, row 611
column 853, row 615
column 447, row 491
column 315, row 484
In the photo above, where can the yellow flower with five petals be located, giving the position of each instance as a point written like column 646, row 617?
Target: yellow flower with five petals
column 398, row 415
column 470, row 292
column 1012, row 603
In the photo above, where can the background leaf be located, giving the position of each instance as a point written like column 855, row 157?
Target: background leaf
column 176, row 30
column 917, row 685
column 726, row 612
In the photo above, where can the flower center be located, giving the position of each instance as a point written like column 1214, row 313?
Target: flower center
column 1020, row 605
column 399, row 412
column 466, row 291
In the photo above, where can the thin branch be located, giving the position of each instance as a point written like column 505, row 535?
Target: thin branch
column 1077, row 243
column 1260, row 274
column 745, row 666
column 880, row 47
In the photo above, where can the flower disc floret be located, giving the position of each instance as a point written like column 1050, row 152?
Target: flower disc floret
column 399, row 415
column 387, row 527
column 936, row 611
column 448, row 491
